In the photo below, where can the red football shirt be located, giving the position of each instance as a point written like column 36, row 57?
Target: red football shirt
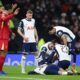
column 4, row 30
column 4, row 25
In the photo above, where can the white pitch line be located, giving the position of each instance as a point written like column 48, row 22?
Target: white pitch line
column 20, row 78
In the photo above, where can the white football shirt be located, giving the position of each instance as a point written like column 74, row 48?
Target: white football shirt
column 28, row 27
column 60, row 30
column 63, row 52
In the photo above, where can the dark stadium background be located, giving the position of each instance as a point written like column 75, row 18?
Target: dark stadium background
column 47, row 12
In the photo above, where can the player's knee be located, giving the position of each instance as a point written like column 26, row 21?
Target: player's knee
column 23, row 56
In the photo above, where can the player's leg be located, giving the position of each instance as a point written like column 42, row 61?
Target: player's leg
column 33, row 49
column 41, row 58
column 64, row 64
column 2, row 60
column 25, row 50
column 51, row 70
column 23, row 62
column 3, row 52
column 74, row 63
column 63, row 67
column 74, row 56
column 32, row 73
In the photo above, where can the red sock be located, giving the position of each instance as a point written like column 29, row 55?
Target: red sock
column 2, row 59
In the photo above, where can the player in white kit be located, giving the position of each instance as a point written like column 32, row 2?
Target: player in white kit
column 28, row 32
column 68, row 38
column 64, row 62
column 45, row 51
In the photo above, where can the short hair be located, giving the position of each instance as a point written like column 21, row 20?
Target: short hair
column 54, row 41
column 8, row 6
column 49, row 28
column 30, row 11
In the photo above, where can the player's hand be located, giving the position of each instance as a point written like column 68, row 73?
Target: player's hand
column 16, row 11
column 14, row 6
column 13, row 36
column 26, row 39
column 36, row 42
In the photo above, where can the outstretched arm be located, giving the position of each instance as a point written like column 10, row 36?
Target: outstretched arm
column 8, row 17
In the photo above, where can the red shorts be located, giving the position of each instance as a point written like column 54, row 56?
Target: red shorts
column 4, row 44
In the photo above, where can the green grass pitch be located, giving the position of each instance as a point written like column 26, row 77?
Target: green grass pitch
column 14, row 73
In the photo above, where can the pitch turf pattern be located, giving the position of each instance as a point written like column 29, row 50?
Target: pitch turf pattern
column 14, row 73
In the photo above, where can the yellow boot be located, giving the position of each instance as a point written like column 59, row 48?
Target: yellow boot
column 73, row 69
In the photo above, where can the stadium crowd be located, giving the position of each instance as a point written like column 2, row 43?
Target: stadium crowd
column 47, row 12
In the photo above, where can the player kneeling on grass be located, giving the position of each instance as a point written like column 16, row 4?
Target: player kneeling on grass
column 45, row 52
column 64, row 60
column 67, row 38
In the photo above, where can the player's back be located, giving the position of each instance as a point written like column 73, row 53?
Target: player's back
column 45, row 46
column 65, row 31
column 63, row 52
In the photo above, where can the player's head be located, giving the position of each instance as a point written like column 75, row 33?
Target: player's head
column 8, row 8
column 2, row 8
column 51, row 30
column 51, row 45
column 29, row 14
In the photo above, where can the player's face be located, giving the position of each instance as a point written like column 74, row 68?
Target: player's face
column 52, row 31
column 2, row 9
column 29, row 16
column 51, row 46
column 9, row 11
column 5, row 12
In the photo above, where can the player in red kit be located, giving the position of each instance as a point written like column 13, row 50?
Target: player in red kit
column 5, row 16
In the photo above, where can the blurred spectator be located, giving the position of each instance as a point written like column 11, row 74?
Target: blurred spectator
column 63, row 20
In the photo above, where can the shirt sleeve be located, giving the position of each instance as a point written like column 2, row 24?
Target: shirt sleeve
column 44, row 49
column 50, row 58
column 20, row 26
column 6, row 18
column 60, row 33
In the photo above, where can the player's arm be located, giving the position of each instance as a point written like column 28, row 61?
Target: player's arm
column 36, row 34
column 52, row 57
column 20, row 28
column 64, row 39
column 13, row 7
column 8, row 17
column 20, row 31
column 43, row 54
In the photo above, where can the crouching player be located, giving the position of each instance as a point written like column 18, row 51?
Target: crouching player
column 64, row 60
column 45, row 52
column 67, row 38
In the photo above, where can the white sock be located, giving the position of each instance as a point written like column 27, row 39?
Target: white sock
column 23, row 63
column 36, row 62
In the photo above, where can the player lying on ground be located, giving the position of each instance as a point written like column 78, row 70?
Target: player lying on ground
column 64, row 59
